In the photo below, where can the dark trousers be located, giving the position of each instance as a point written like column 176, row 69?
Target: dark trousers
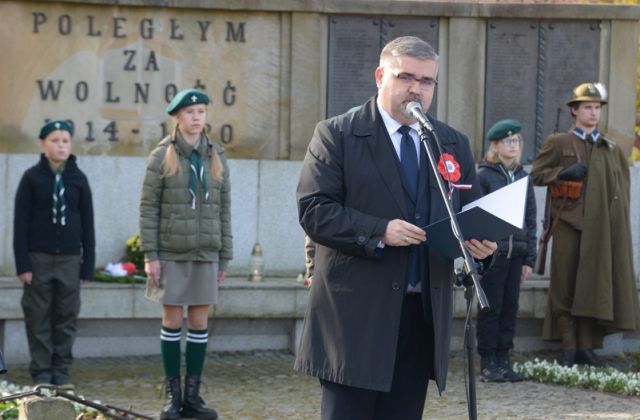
column 51, row 304
column 497, row 327
column 579, row 333
column 412, row 369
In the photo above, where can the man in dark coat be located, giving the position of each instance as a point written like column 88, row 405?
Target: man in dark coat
column 378, row 321
column 592, row 290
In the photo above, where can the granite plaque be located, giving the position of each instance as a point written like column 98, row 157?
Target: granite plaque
column 355, row 43
column 532, row 68
column 571, row 58
column 354, row 49
column 511, row 75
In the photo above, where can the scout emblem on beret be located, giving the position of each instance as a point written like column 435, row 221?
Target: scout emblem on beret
column 186, row 98
column 53, row 126
column 503, row 129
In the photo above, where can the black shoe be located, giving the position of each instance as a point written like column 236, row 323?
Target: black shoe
column 194, row 406
column 173, row 403
column 489, row 371
column 63, row 381
column 43, row 379
column 567, row 358
column 504, row 367
column 589, row 357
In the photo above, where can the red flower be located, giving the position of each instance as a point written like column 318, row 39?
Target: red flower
column 449, row 168
column 129, row 267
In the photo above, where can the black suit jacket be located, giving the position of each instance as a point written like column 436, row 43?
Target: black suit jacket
column 350, row 188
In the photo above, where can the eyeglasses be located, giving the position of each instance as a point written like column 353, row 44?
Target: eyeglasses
column 408, row 79
column 511, row 141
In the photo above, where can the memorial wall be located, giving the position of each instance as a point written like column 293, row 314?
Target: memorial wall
column 111, row 67
column 112, row 70
column 273, row 69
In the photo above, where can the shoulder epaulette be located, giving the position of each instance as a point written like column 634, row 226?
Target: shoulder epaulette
column 609, row 142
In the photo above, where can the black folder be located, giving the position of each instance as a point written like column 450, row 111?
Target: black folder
column 475, row 223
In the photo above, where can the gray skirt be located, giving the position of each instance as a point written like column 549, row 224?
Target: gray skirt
column 186, row 283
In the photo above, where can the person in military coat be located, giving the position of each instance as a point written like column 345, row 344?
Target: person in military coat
column 592, row 288
column 378, row 319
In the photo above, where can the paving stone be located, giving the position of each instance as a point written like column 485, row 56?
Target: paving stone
column 262, row 385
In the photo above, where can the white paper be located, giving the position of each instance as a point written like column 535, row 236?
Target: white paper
column 507, row 203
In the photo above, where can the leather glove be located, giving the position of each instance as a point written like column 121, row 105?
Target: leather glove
column 574, row 172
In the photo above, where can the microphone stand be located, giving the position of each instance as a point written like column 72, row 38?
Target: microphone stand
column 469, row 277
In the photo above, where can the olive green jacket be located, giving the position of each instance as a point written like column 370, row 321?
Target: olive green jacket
column 605, row 286
column 170, row 229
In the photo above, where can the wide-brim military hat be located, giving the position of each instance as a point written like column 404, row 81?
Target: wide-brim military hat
column 51, row 126
column 185, row 98
column 503, row 129
column 589, row 92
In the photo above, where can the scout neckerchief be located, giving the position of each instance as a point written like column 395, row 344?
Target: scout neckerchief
column 197, row 174
column 509, row 173
column 58, row 207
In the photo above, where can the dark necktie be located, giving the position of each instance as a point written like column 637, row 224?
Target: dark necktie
column 409, row 159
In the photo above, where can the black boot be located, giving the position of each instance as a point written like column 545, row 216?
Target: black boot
column 504, row 367
column 193, row 406
column 489, row 371
column 567, row 358
column 589, row 357
column 173, row 403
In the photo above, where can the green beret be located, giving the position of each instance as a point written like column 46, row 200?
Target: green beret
column 53, row 126
column 504, row 128
column 187, row 97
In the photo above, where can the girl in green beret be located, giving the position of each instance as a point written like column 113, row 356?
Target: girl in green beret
column 513, row 261
column 185, row 228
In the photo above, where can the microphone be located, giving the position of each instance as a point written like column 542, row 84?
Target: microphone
column 415, row 109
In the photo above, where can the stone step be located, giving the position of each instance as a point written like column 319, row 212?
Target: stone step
column 116, row 319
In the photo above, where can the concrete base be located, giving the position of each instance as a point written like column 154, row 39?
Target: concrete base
column 115, row 320
column 45, row 408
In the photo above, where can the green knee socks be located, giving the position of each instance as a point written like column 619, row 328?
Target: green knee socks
column 196, row 351
column 170, row 349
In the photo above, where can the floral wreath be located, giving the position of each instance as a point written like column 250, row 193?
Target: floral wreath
column 449, row 167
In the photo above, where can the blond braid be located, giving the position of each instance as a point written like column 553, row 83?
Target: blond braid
column 216, row 163
column 172, row 167
column 170, row 164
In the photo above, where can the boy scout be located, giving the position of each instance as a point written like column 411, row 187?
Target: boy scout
column 54, row 247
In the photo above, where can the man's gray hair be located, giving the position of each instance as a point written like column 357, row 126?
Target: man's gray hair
column 409, row 46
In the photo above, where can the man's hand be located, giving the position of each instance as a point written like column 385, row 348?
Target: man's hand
column 526, row 272
column 152, row 269
column 401, row 233
column 26, row 277
column 574, row 172
column 481, row 250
